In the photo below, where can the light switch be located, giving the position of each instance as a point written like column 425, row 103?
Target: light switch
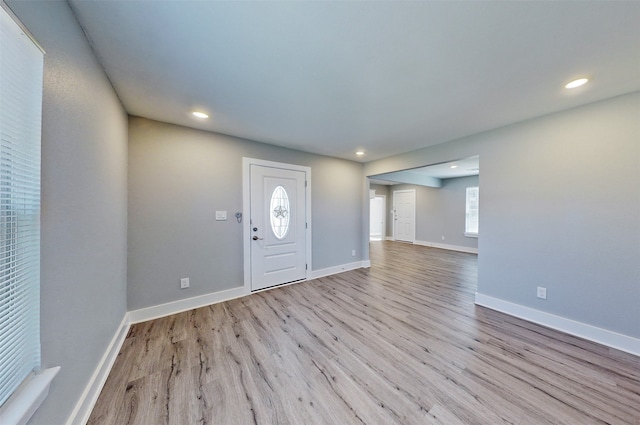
column 221, row 215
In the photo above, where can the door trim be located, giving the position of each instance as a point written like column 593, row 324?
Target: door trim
column 246, row 213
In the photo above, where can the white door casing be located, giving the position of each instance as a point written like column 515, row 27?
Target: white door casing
column 277, row 248
column 404, row 215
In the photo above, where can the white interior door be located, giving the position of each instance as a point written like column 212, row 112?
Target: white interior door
column 404, row 207
column 277, row 226
column 377, row 217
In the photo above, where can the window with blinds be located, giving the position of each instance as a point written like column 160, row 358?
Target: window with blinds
column 21, row 69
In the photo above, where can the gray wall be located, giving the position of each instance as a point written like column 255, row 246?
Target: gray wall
column 560, row 207
column 179, row 177
column 440, row 211
column 380, row 189
column 84, row 151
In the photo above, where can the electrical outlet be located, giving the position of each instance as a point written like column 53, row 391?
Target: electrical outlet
column 542, row 292
column 443, row 238
column 184, row 283
column 353, row 252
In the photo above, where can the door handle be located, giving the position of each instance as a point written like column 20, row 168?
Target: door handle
column 255, row 238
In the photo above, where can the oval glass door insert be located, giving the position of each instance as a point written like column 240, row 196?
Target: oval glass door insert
column 279, row 212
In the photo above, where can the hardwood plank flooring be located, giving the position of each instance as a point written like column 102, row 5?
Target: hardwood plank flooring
column 399, row 343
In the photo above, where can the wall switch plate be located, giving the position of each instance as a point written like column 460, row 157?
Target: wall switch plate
column 353, row 252
column 221, row 215
column 542, row 292
column 184, row 283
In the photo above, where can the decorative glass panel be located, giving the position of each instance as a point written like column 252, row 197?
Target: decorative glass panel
column 279, row 212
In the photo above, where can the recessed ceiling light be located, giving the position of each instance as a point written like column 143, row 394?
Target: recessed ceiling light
column 360, row 153
column 199, row 114
column 454, row 166
column 576, row 83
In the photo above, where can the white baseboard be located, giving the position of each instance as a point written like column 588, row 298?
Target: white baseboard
column 167, row 309
column 315, row 274
column 562, row 324
column 389, row 238
column 82, row 411
column 458, row 248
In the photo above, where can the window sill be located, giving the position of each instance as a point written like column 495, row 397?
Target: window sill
column 471, row 235
column 27, row 398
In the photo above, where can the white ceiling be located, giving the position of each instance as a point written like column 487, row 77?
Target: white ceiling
column 331, row 77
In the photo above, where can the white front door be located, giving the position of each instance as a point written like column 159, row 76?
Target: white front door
column 404, row 206
column 278, row 228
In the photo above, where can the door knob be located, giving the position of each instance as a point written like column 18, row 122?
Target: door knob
column 255, row 238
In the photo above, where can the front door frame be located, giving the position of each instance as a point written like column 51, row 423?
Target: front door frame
column 246, row 213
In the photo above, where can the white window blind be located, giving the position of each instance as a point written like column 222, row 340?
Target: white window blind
column 473, row 203
column 21, row 68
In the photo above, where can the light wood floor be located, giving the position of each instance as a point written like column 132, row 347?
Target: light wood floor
column 400, row 343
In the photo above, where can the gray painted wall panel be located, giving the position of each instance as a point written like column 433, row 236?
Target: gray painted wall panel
column 560, row 206
column 84, row 223
column 179, row 177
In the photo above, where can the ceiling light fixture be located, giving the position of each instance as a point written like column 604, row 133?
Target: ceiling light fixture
column 360, row 153
column 576, row 83
column 454, row 166
column 199, row 114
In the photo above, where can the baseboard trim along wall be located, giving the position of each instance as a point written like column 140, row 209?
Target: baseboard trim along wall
column 162, row 310
column 315, row 274
column 82, row 411
column 458, row 248
column 174, row 307
column 571, row 327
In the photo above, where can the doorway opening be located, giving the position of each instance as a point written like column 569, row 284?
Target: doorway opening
column 436, row 217
column 377, row 218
